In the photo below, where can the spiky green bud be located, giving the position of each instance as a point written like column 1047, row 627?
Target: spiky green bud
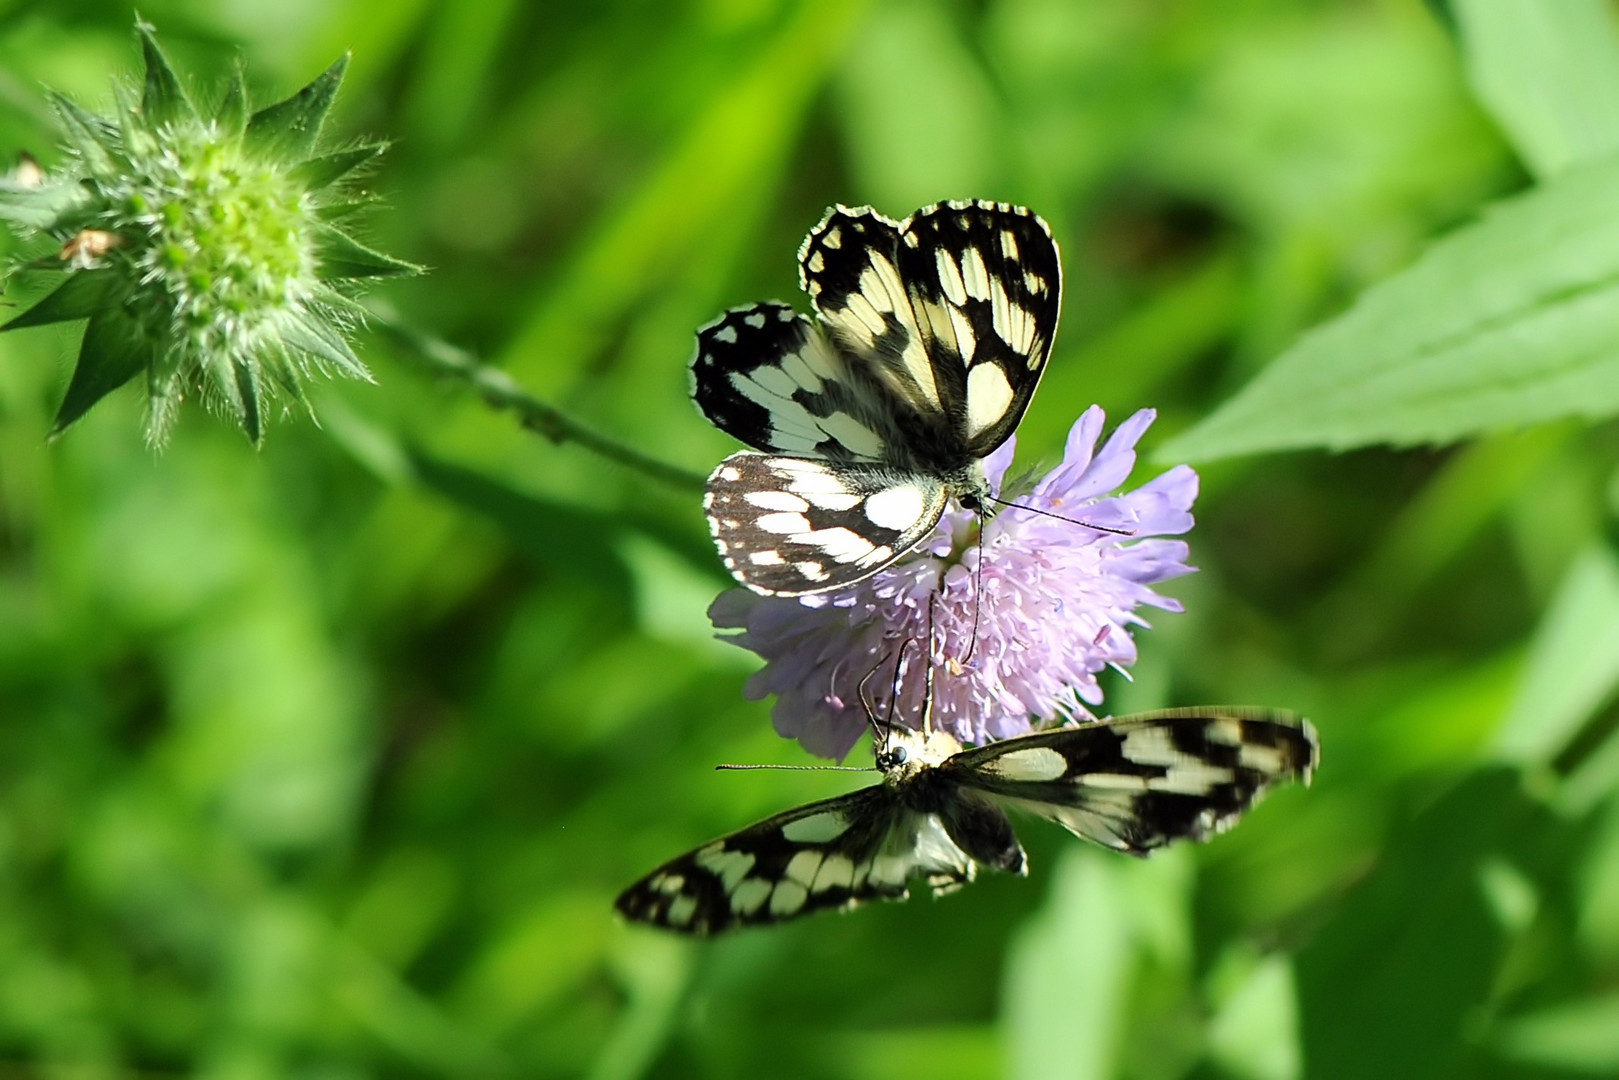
column 204, row 247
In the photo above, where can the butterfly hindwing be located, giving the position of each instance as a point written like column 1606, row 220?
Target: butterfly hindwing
column 790, row 525
column 830, row 854
column 1138, row 783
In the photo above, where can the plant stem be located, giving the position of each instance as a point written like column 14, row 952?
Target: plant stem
column 501, row 392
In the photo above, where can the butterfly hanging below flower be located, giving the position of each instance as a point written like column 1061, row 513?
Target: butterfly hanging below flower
column 930, row 337
column 1131, row 784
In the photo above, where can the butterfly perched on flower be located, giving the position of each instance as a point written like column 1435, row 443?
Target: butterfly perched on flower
column 929, row 338
column 1131, row 784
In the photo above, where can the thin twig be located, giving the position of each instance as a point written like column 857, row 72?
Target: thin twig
column 500, row 391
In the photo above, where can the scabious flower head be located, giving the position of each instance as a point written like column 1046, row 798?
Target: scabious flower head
column 1020, row 627
column 203, row 247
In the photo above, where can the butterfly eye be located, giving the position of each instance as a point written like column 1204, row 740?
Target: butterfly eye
column 898, row 755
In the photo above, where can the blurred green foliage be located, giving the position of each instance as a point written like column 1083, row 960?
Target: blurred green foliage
column 326, row 761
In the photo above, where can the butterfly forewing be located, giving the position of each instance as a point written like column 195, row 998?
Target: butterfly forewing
column 1139, row 783
column 769, row 377
column 986, row 287
column 791, row 525
column 830, row 854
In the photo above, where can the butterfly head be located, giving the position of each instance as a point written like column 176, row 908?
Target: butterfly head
column 902, row 753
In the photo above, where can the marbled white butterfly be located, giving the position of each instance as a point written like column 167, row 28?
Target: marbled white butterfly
column 1131, row 784
column 929, row 339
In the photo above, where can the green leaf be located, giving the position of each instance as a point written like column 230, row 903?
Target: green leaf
column 1573, row 663
column 1388, row 986
column 339, row 255
column 163, row 99
column 289, row 128
column 316, row 338
column 1579, row 1036
column 1549, row 73
column 40, row 207
column 1507, row 322
column 91, row 136
column 231, row 116
column 79, row 297
column 114, row 351
column 327, row 169
column 249, row 392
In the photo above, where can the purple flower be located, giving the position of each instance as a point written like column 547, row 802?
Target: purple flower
column 1018, row 638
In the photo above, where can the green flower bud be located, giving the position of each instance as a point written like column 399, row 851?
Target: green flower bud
column 205, row 249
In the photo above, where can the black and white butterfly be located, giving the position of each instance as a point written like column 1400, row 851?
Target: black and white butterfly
column 1131, row 784
column 929, row 338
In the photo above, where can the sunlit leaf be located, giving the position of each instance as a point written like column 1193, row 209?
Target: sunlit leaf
column 1506, row 322
column 1549, row 72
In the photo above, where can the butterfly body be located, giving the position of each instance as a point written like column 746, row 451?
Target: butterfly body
column 929, row 338
column 1132, row 785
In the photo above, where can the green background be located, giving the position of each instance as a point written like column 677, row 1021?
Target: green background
column 327, row 760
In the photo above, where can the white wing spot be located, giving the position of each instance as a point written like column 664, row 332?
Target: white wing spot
column 1267, row 759
column 838, row 544
column 862, row 309
column 787, row 898
column 852, row 434
column 950, row 276
column 897, row 508
column 765, row 558
column 836, row 872
column 681, row 911
column 974, row 275
column 799, row 371
column 1009, row 245
column 1012, row 323
column 836, row 501
column 755, row 320
column 1114, row 781
column 833, row 238
column 1191, row 777
column 871, row 287
column 820, row 828
column 1035, row 283
column 916, row 362
column 785, row 314
column 748, row 896
column 776, row 500
column 812, row 570
column 729, row 474
column 988, row 396
column 1034, row 763
column 962, row 327
column 783, row 524
column 817, row 262
column 729, row 866
column 803, row 866
column 726, row 334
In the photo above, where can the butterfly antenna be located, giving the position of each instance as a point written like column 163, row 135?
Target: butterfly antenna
column 879, row 728
column 799, row 768
column 1050, row 514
